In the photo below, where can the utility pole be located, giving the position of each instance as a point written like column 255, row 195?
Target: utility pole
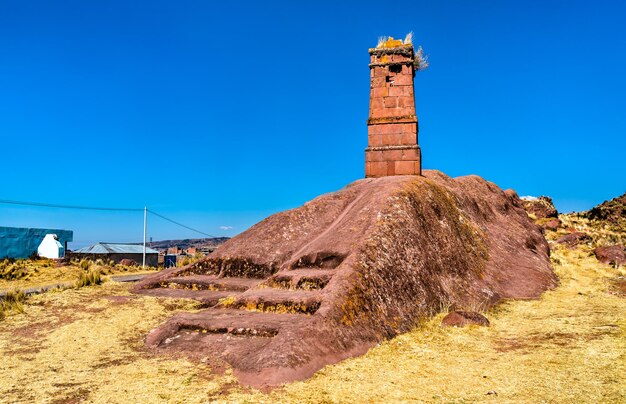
column 145, row 217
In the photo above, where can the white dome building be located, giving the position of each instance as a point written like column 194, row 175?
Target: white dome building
column 50, row 247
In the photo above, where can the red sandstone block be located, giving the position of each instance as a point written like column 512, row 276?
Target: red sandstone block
column 375, row 129
column 394, row 112
column 392, row 155
column 378, row 113
column 404, row 167
column 385, row 129
column 392, row 139
column 403, row 80
column 380, row 71
column 406, row 111
column 378, row 168
column 390, row 102
column 374, row 155
column 406, row 69
column 375, row 140
column 391, row 168
column 378, row 82
column 410, row 155
column 418, row 167
column 379, row 92
column 407, row 127
column 406, row 102
column 408, row 139
column 396, row 91
column 376, row 103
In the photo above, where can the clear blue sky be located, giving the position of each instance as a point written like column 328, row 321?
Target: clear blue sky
column 221, row 113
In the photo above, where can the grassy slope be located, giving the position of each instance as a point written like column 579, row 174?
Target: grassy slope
column 569, row 346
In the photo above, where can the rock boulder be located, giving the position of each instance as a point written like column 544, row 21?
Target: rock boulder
column 613, row 255
column 328, row 280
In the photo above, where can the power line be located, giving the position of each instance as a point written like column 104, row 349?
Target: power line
column 52, row 205
column 180, row 224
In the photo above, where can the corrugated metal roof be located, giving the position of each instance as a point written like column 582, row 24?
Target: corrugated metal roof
column 115, row 248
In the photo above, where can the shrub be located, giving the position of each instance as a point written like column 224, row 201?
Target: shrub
column 12, row 301
column 91, row 277
column 12, row 270
column 85, row 264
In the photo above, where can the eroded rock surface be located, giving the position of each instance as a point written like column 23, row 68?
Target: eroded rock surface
column 574, row 238
column 314, row 285
column 613, row 255
column 464, row 318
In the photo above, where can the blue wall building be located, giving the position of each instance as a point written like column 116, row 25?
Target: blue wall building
column 17, row 242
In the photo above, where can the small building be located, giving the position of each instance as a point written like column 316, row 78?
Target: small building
column 20, row 242
column 174, row 250
column 117, row 252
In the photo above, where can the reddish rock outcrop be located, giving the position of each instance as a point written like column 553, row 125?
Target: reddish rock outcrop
column 552, row 224
column 314, row 285
column 613, row 211
column 128, row 262
column 464, row 318
column 614, row 255
column 541, row 207
column 573, row 239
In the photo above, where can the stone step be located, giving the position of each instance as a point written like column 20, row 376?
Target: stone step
column 223, row 329
column 279, row 301
column 207, row 297
column 210, row 282
column 301, row 279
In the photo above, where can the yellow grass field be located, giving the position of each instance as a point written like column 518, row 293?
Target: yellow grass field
column 569, row 346
column 42, row 272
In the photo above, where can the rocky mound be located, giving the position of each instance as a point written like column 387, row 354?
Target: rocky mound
column 613, row 211
column 314, row 285
column 540, row 207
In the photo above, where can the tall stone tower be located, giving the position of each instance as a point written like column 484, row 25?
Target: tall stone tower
column 392, row 124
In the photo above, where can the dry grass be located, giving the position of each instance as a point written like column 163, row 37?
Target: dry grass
column 602, row 233
column 41, row 272
column 90, row 278
column 569, row 346
column 12, row 301
column 86, row 344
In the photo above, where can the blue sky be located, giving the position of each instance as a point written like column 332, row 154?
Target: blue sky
column 218, row 115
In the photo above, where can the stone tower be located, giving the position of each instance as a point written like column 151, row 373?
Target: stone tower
column 392, row 124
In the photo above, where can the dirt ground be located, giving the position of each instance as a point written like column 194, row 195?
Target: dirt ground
column 569, row 346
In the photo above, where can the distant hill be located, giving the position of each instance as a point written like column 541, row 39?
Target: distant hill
column 163, row 245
